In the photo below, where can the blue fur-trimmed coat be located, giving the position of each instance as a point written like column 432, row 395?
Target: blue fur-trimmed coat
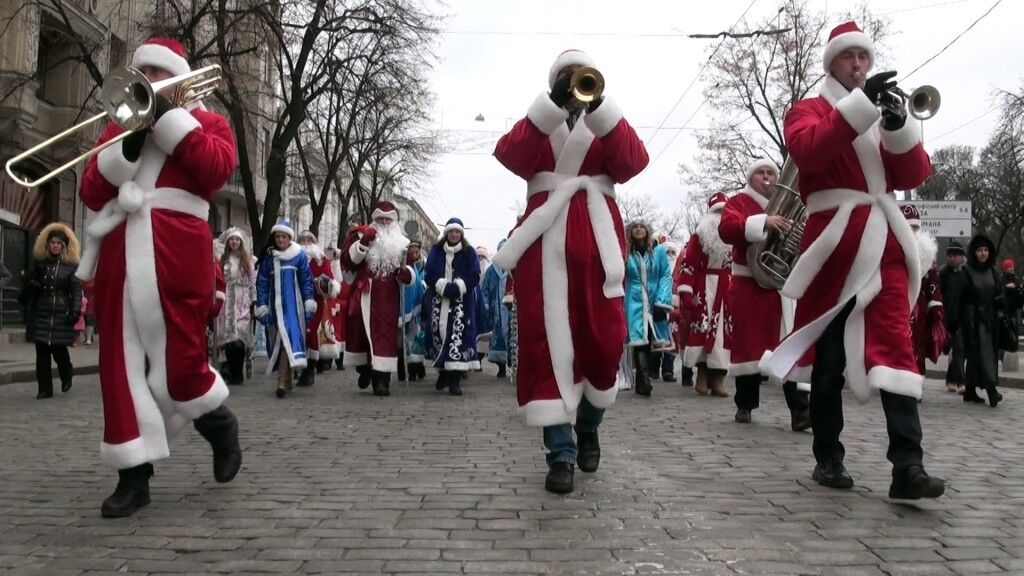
column 495, row 281
column 451, row 322
column 653, row 267
column 284, row 297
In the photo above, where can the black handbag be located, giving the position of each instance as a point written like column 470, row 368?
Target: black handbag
column 1008, row 336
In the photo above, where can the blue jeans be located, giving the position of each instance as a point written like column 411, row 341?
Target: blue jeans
column 558, row 438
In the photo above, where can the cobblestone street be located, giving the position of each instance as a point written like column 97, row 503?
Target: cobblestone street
column 338, row 481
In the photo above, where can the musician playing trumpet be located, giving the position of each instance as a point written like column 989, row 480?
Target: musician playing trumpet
column 859, row 273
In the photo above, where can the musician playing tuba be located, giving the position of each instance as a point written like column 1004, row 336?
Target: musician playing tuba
column 758, row 314
column 859, row 272
column 151, row 252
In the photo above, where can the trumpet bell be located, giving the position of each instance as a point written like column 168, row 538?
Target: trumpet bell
column 127, row 98
column 924, row 102
column 586, row 84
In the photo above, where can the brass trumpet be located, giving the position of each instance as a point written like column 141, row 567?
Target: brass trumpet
column 586, row 84
column 923, row 103
column 128, row 100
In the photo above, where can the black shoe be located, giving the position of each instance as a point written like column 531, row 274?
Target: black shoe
column 642, row 386
column 339, row 364
column 588, row 455
column 743, row 416
column 913, row 483
column 832, row 474
column 994, row 397
column 501, row 370
column 132, row 492
column 280, row 392
column 307, row 377
column 800, row 420
column 380, row 381
column 220, row 428
column 668, row 377
column 971, row 395
column 455, row 388
column 442, row 380
column 365, row 377
column 559, row 478
column 686, row 382
column 44, row 395
column 65, row 385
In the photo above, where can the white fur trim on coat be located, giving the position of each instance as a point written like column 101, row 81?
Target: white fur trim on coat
column 903, row 140
column 357, row 252
column 310, row 306
column 461, row 285
column 172, row 128
column 130, row 196
column 545, row 114
column 754, row 229
column 262, row 311
column 440, row 285
column 114, row 167
column 604, row 119
column 859, row 112
column 599, row 398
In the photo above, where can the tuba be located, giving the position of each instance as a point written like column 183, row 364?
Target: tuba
column 772, row 259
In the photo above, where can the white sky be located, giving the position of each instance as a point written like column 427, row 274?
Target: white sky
column 495, row 55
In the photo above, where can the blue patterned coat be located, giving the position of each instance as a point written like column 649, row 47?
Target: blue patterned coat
column 495, row 280
column 451, row 322
column 284, row 297
column 653, row 269
column 411, row 321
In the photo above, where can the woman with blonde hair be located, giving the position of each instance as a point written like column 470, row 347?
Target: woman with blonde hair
column 53, row 296
column 234, row 324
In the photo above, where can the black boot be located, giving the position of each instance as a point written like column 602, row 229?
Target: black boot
column 559, row 478
column 913, row 483
column 800, row 420
column 365, row 377
column 307, row 377
column 455, row 384
column 132, row 492
column 687, row 378
column 993, row 396
column 340, row 363
column 401, row 369
column 588, row 455
column 220, row 428
column 642, row 386
column 501, row 370
column 442, row 380
column 743, row 416
column 971, row 395
column 381, row 383
column 832, row 474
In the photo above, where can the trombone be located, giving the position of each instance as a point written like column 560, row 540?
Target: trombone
column 128, row 99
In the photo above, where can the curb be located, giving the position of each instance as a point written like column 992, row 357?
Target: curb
column 1005, row 381
column 19, row 375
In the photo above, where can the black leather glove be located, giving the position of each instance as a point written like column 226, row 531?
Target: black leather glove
column 891, row 120
column 163, row 105
column 875, row 85
column 131, row 146
column 594, row 104
column 560, row 94
column 659, row 314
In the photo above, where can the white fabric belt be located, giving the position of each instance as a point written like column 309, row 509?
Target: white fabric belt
column 545, row 181
column 833, row 198
column 741, row 270
column 112, row 215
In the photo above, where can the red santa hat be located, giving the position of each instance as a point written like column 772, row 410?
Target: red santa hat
column 164, row 53
column 911, row 213
column 847, row 35
column 385, row 209
column 716, row 202
column 759, row 164
column 568, row 58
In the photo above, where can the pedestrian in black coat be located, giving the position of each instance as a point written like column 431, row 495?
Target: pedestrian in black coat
column 981, row 301
column 952, row 277
column 53, row 296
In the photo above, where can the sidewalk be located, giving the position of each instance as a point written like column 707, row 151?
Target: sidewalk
column 18, row 363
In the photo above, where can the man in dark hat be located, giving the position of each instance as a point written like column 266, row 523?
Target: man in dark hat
column 951, row 281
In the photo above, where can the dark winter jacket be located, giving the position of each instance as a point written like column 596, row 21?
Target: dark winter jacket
column 53, row 295
column 981, row 300
column 1015, row 295
column 951, row 284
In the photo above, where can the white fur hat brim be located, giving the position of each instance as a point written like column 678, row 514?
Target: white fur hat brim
column 759, row 164
column 846, row 41
column 568, row 58
column 160, row 57
column 282, row 228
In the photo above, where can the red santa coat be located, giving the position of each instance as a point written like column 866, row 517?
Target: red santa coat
column 760, row 317
column 337, row 307
column 928, row 321
column 702, row 285
column 856, row 244
column 151, row 253
column 568, row 253
column 321, row 343
column 371, row 321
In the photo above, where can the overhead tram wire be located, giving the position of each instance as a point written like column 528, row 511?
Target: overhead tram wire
column 954, row 40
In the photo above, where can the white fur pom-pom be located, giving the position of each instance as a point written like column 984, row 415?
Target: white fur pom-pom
column 130, row 196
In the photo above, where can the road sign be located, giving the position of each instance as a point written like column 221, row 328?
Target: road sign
column 945, row 219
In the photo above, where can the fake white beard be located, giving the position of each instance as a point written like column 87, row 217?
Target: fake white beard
column 386, row 253
column 313, row 252
column 927, row 249
column 710, row 241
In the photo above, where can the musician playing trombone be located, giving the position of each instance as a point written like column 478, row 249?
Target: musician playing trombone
column 858, row 273
column 151, row 252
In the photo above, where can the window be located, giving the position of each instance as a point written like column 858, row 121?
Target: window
column 118, row 48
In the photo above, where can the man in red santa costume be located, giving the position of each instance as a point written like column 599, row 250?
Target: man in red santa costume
column 928, row 316
column 568, row 256
column 376, row 256
column 150, row 252
column 703, row 287
column 760, row 316
column 321, row 346
column 859, row 273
